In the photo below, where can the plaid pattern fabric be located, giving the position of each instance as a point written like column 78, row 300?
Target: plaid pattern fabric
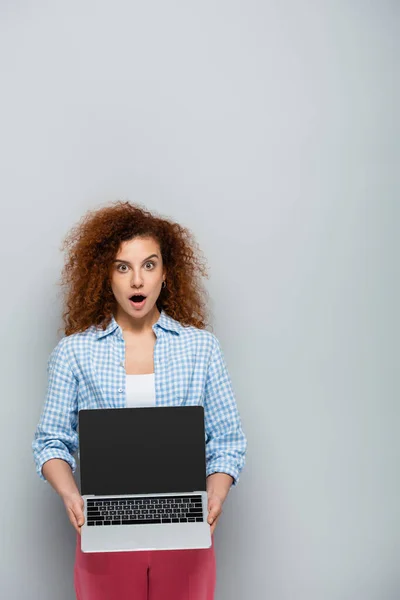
column 86, row 370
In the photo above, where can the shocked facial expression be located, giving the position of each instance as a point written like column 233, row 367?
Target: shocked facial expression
column 137, row 274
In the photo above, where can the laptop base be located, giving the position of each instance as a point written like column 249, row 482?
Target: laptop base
column 125, row 538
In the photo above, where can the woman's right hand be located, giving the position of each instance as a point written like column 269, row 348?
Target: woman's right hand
column 74, row 506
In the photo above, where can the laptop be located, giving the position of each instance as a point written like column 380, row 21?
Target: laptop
column 143, row 479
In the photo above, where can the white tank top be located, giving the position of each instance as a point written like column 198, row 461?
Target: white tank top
column 140, row 390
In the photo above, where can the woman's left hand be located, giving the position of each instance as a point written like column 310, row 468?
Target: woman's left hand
column 214, row 510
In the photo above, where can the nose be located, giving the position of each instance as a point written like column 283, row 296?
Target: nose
column 136, row 280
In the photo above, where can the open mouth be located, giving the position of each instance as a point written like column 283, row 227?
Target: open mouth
column 137, row 298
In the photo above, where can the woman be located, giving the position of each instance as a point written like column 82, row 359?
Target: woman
column 115, row 345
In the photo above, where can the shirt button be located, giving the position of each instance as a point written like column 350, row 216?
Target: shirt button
column 120, row 390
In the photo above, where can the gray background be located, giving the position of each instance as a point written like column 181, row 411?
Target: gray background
column 271, row 130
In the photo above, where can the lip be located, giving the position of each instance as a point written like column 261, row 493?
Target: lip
column 137, row 305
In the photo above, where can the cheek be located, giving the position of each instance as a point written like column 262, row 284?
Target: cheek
column 156, row 282
column 116, row 289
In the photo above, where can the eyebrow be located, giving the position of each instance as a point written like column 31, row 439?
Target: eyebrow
column 128, row 263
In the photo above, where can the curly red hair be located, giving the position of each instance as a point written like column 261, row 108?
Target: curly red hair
column 93, row 244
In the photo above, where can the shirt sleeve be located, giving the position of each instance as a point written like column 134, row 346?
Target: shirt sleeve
column 226, row 443
column 56, row 433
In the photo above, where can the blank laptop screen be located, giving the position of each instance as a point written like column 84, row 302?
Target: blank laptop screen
column 142, row 450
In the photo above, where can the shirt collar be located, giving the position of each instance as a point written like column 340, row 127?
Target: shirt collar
column 164, row 321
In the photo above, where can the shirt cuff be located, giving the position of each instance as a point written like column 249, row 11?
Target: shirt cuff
column 48, row 455
column 224, row 468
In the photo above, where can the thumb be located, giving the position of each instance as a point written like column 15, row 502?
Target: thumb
column 78, row 512
column 213, row 510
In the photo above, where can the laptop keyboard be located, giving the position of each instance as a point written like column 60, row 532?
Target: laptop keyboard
column 141, row 511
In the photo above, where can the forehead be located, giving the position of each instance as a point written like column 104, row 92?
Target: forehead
column 138, row 246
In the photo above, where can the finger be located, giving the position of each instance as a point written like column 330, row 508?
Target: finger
column 214, row 512
column 215, row 508
column 213, row 526
column 76, row 517
column 213, row 516
column 72, row 519
column 80, row 517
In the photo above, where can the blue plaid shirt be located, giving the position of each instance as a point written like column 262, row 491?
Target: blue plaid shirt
column 86, row 370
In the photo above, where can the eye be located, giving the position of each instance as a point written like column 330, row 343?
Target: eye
column 124, row 270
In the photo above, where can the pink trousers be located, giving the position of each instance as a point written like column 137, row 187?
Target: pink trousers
column 145, row 575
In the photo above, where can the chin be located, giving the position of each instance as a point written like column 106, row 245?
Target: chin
column 139, row 313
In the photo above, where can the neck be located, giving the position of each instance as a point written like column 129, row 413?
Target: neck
column 137, row 325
